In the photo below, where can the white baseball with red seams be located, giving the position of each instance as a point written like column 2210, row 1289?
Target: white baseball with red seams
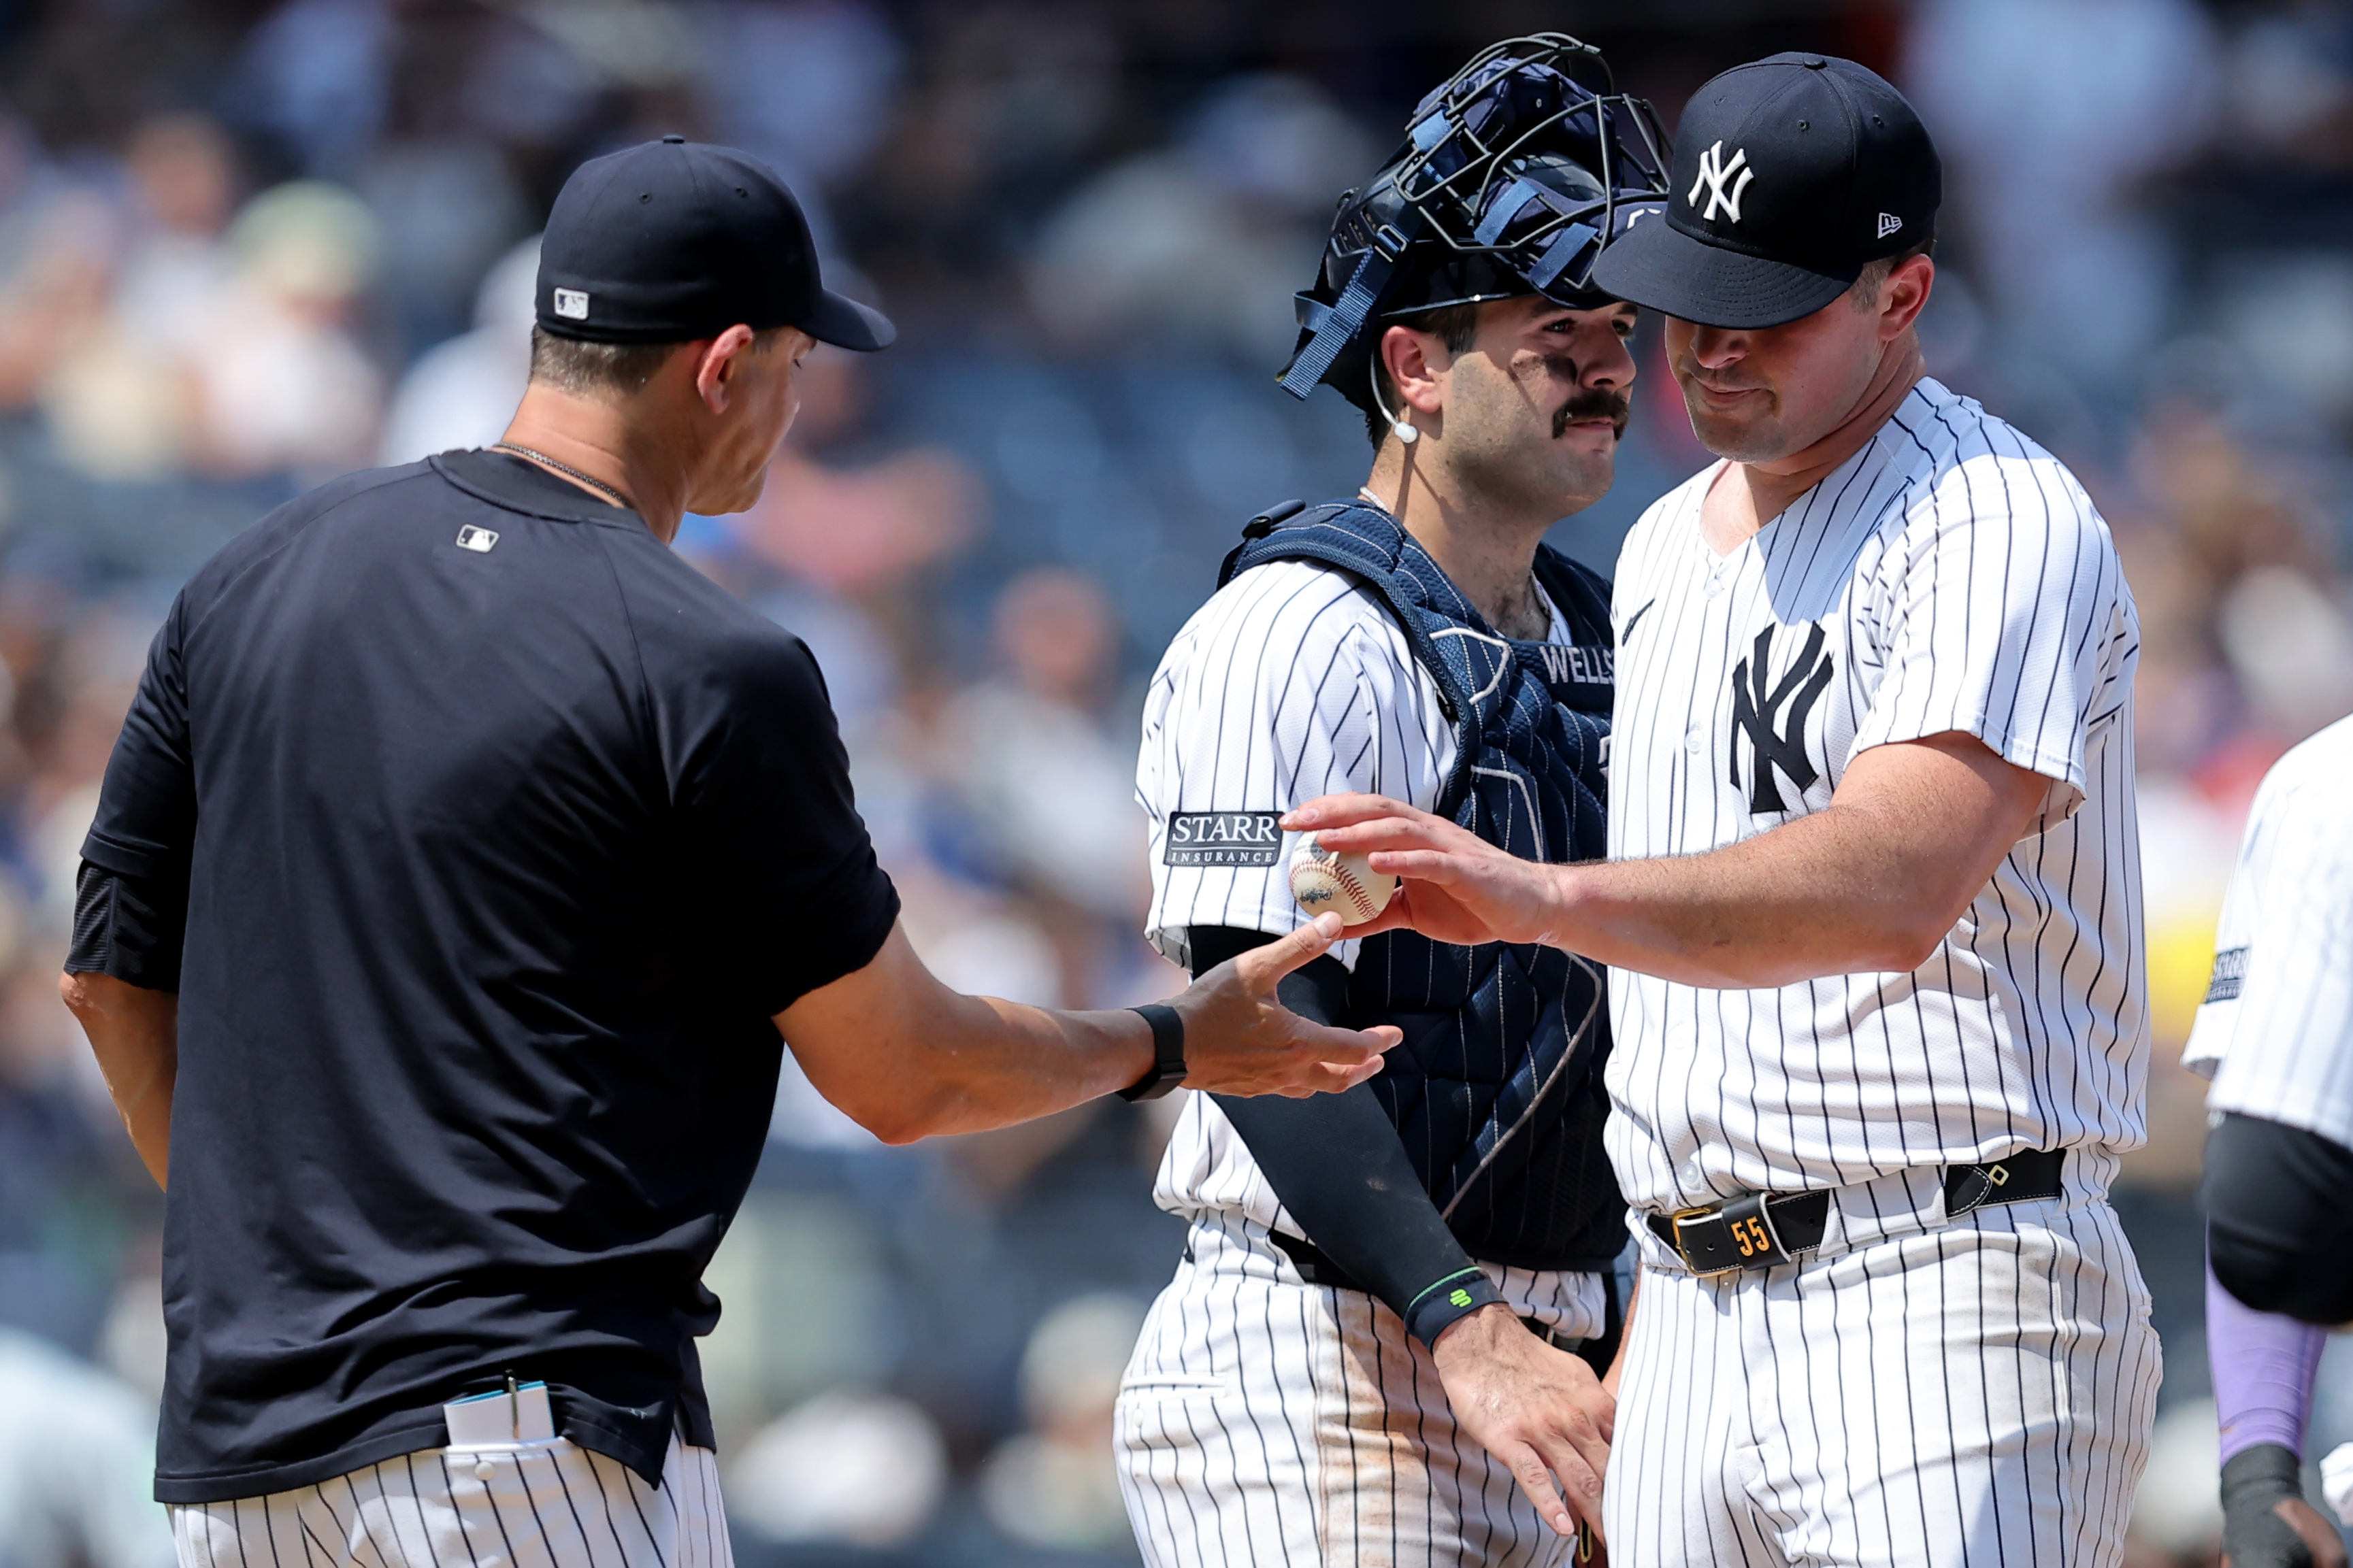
column 1322, row 880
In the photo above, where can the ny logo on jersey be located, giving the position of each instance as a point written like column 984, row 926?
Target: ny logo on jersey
column 1775, row 738
column 1712, row 174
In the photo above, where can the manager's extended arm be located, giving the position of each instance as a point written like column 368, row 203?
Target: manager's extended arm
column 907, row 1058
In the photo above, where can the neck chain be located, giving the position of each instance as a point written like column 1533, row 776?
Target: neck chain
column 599, row 486
column 1365, row 493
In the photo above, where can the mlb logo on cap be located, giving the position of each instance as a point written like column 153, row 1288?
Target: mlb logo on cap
column 1790, row 175
column 572, row 304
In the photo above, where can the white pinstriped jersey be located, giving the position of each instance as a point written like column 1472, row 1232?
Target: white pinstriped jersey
column 1950, row 576
column 1291, row 682
column 2278, row 1018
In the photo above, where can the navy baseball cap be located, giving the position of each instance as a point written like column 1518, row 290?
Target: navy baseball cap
column 673, row 240
column 1790, row 173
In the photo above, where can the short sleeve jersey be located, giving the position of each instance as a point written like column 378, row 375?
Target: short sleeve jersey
column 1291, row 682
column 504, row 834
column 2275, row 1032
column 1951, row 576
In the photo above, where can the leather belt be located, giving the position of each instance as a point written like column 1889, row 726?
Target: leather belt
column 1758, row 1230
column 1313, row 1265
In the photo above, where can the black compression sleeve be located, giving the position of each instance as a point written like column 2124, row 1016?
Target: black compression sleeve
column 128, row 927
column 1335, row 1163
column 2279, row 1229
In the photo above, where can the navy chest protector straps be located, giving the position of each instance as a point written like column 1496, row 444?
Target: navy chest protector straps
column 1495, row 1091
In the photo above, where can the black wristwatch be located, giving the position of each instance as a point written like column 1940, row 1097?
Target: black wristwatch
column 1168, row 1052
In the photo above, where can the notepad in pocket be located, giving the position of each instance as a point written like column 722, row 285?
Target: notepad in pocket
column 504, row 1419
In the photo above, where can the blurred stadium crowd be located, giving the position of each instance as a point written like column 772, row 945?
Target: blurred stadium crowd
column 245, row 245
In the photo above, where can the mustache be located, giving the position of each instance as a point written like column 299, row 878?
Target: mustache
column 1595, row 402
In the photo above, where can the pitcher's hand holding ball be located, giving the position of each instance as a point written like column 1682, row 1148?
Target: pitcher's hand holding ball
column 1454, row 885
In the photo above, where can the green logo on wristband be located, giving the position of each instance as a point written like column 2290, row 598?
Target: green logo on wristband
column 1461, row 1298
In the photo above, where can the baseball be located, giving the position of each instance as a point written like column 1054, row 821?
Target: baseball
column 1322, row 880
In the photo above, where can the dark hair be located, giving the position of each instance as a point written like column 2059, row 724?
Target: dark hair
column 1457, row 326
column 1864, row 294
column 586, row 368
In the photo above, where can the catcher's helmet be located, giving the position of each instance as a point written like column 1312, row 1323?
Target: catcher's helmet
column 1512, row 177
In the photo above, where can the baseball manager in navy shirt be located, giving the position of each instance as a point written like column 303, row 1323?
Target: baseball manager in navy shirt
column 465, row 864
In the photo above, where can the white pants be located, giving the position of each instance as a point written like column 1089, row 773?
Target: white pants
column 557, row 1506
column 1978, row 1394
column 1264, row 1422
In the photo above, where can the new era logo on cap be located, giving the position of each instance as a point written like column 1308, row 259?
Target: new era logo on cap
column 1888, row 223
column 572, row 304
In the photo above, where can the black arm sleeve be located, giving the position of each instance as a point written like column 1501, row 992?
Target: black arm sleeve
column 2279, row 1230
column 128, row 927
column 1335, row 1163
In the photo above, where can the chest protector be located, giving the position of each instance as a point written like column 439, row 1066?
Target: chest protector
column 1496, row 1090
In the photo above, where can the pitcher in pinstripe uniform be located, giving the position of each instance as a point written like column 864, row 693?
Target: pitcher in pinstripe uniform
column 1872, row 910
column 1364, row 1358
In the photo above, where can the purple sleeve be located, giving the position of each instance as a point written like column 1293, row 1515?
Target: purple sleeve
column 2264, row 1365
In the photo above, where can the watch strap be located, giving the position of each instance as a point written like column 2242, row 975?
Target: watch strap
column 1167, row 1053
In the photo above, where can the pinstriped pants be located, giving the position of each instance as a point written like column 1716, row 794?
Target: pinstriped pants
column 1266, row 1423
column 557, row 1506
column 1978, row 1394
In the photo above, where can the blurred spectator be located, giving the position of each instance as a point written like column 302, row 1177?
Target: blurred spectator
column 76, row 1461
column 1048, row 784
column 862, row 1469
column 461, row 393
column 282, row 381
column 1204, row 241
column 809, row 88
column 2049, row 115
column 184, row 180
column 121, row 402
column 1055, row 1484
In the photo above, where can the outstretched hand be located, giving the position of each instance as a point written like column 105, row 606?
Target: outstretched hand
column 1239, row 1040
column 1453, row 887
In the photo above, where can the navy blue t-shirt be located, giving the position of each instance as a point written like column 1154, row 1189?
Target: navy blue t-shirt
column 499, row 855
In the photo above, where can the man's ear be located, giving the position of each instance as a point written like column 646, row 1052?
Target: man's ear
column 715, row 370
column 1903, row 295
column 1415, row 361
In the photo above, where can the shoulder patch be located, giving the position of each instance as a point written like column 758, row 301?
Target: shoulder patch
column 1223, row 838
column 2229, row 974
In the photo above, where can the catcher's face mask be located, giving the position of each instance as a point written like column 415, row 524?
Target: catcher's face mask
column 1512, row 177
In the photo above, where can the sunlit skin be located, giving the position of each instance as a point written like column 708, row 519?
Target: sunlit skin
column 1788, row 405
column 698, row 436
column 1517, row 431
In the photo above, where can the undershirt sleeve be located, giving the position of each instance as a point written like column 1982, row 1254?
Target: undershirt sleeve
column 132, row 928
column 146, row 820
column 2279, row 1234
column 1335, row 1163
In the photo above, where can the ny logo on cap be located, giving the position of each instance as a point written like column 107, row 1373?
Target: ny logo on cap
column 1712, row 174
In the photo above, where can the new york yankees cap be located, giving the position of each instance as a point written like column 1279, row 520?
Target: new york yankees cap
column 672, row 240
column 1790, row 174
